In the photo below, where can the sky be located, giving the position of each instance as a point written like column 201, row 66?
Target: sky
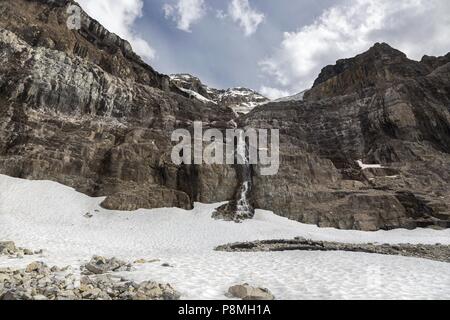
column 276, row 47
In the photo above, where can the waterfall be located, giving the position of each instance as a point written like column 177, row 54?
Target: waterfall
column 243, row 208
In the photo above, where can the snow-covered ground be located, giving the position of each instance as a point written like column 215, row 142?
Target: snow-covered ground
column 47, row 215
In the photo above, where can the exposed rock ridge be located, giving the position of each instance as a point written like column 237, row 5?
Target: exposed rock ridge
column 378, row 107
column 43, row 23
column 435, row 252
column 241, row 100
column 381, row 66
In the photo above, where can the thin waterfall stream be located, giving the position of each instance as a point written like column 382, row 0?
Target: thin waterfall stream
column 243, row 207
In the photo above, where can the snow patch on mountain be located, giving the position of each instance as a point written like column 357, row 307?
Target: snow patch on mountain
column 197, row 96
column 241, row 100
column 364, row 166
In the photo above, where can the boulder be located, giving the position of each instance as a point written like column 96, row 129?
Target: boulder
column 38, row 267
column 247, row 292
column 7, row 247
column 10, row 296
column 153, row 291
column 101, row 265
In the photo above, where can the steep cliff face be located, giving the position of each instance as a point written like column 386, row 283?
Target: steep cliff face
column 79, row 107
column 380, row 108
column 380, row 67
column 100, row 121
column 43, row 23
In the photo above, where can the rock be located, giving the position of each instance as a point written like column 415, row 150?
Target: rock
column 140, row 261
column 167, row 265
column 28, row 252
column 228, row 212
column 7, row 247
column 38, row 267
column 153, row 261
column 432, row 252
column 146, row 197
column 55, row 269
column 91, row 293
column 10, row 296
column 4, row 277
column 153, row 291
column 100, row 265
column 31, row 284
column 247, row 292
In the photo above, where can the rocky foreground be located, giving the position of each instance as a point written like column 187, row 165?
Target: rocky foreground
column 40, row 282
column 96, row 281
column 436, row 252
column 9, row 248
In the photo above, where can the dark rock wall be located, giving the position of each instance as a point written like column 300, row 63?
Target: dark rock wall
column 381, row 108
column 80, row 108
column 103, row 131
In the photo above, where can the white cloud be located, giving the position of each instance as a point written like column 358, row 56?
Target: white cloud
column 185, row 13
column 416, row 27
column 273, row 93
column 221, row 15
column 118, row 16
column 248, row 18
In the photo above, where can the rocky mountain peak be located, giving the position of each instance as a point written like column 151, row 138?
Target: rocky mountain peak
column 435, row 62
column 241, row 100
column 385, row 49
column 379, row 66
column 380, row 53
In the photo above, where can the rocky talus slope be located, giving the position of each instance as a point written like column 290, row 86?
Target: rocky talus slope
column 81, row 108
column 40, row 282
